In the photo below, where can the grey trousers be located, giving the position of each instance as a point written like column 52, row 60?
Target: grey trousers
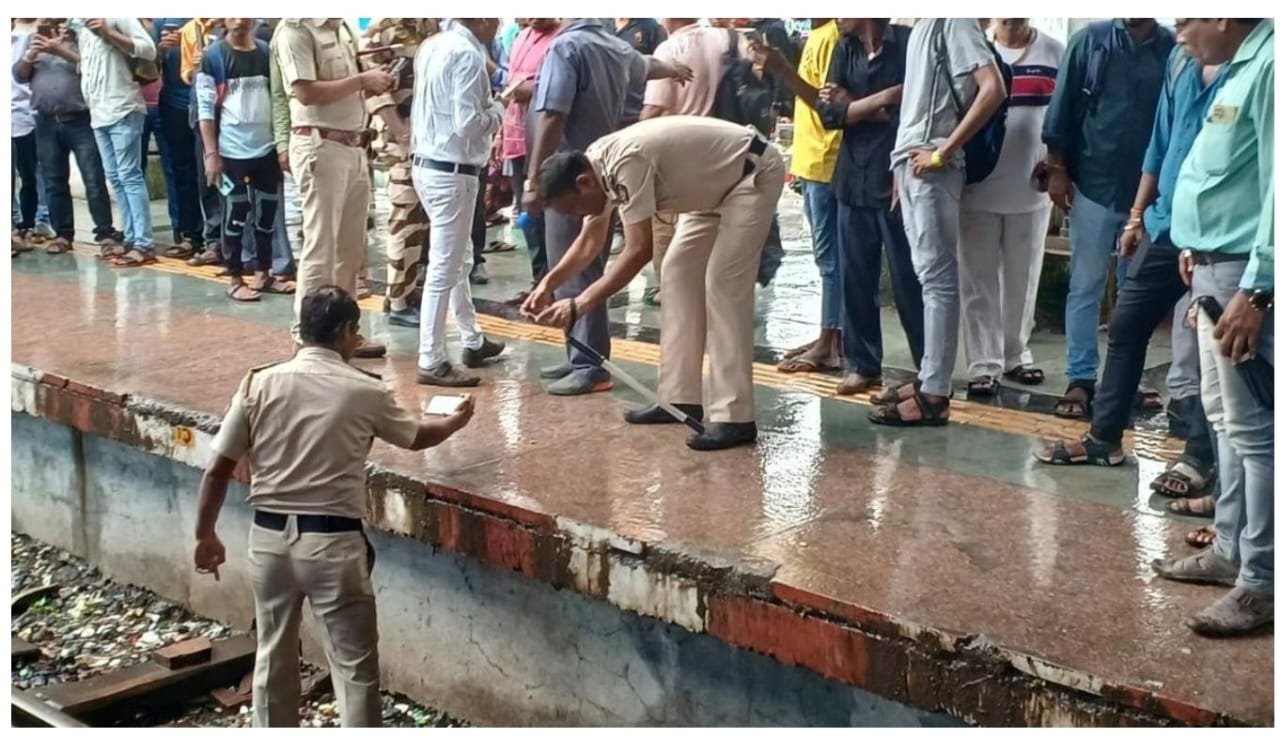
column 1184, row 370
column 592, row 328
column 1245, row 438
column 931, row 216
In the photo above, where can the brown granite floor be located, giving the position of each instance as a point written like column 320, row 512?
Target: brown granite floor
column 952, row 528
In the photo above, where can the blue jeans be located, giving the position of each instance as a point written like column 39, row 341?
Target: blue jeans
column 1094, row 231
column 820, row 210
column 863, row 233
column 55, row 141
column 155, row 127
column 1151, row 289
column 1245, row 433
column 121, row 146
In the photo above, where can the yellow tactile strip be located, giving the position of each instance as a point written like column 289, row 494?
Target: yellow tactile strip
column 1017, row 422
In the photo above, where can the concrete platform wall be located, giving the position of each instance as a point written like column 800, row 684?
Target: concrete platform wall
column 485, row 644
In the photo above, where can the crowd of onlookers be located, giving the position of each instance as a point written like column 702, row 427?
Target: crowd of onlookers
column 946, row 144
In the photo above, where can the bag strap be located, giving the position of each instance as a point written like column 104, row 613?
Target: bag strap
column 1102, row 37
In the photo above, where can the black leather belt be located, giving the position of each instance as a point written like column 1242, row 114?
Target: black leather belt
column 757, row 147
column 466, row 169
column 1209, row 258
column 66, row 117
column 322, row 523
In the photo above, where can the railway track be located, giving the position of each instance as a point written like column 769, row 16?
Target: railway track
column 28, row 711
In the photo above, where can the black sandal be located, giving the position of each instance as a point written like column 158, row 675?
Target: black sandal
column 893, row 395
column 931, row 414
column 1025, row 375
column 1177, row 483
column 984, row 386
column 1095, row 453
column 1072, row 408
column 1200, row 506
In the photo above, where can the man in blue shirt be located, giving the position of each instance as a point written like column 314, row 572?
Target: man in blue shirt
column 1096, row 129
column 1224, row 215
column 178, row 149
column 1151, row 288
column 590, row 84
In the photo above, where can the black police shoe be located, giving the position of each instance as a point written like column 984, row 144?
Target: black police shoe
column 475, row 357
column 655, row 415
column 722, row 435
column 409, row 317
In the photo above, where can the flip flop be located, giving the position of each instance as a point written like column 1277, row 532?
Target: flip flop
column 984, row 386
column 499, row 247
column 802, row 365
column 182, row 252
column 1201, row 506
column 134, row 259
column 799, row 350
column 276, row 286
column 1073, row 406
column 237, row 293
column 1201, row 537
column 1025, row 375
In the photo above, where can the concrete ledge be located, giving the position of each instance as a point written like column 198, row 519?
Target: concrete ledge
column 735, row 601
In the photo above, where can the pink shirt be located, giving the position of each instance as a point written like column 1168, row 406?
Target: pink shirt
column 526, row 56
column 703, row 49
column 151, row 93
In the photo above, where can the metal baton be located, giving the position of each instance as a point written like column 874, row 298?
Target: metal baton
column 630, row 381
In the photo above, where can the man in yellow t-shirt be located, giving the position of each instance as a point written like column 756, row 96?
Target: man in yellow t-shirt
column 813, row 164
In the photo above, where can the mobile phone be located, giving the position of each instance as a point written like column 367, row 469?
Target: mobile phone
column 225, row 185
column 170, row 27
column 398, row 66
column 47, row 30
column 444, row 404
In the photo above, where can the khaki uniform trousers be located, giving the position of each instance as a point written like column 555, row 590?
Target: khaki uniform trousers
column 664, row 229
column 708, row 297
column 407, row 230
column 332, row 572
column 333, row 187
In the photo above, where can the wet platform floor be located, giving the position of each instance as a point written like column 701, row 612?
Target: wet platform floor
column 954, row 529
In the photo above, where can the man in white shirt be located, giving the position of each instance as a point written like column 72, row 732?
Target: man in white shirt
column 1004, row 219
column 454, row 119
column 109, row 48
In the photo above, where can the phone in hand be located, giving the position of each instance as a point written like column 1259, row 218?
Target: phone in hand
column 48, row 30
column 225, row 185
column 444, row 405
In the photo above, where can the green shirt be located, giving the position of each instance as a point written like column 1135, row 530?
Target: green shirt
column 1224, row 199
column 279, row 105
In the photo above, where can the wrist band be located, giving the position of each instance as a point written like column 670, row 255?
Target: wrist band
column 936, row 160
column 573, row 311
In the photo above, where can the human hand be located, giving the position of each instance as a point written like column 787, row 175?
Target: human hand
column 1061, row 190
column 209, row 555
column 537, row 301
column 1130, row 237
column 376, row 81
column 922, row 162
column 1186, row 266
column 463, row 414
column 212, row 168
column 1238, row 329
column 834, row 94
column 531, row 202
column 684, row 73
column 769, row 58
column 97, row 25
column 561, row 314
column 283, row 158
column 169, row 40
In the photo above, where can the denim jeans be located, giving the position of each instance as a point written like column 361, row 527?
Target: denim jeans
column 931, row 216
column 771, row 257
column 209, row 198
column 55, row 141
column 535, row 233
column 1152, row 287
column 1245, row 433
column 176, row 142
column 1094, row 230
column 121, row 146
column 863, row 232
column 821, row 212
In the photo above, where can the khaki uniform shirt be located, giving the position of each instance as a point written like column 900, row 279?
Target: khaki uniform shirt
column 306, row 426
column 670, row 164
column 319, row 49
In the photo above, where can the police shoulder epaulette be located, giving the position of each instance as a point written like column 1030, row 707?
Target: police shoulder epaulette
column 248, row 379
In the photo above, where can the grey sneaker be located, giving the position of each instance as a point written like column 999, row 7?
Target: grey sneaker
column 581, row 382
column 1238, row 613
column 1204, row 567
column 558, row 371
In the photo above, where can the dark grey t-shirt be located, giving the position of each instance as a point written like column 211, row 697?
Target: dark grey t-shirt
column 55, row 84
column 928, row 114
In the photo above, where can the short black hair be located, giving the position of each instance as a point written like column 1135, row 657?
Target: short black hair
column 559, row 174
column 325, row 311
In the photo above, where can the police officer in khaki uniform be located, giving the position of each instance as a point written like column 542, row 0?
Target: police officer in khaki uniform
column 317, row 59
column 407, row 224
column 305, row 426
column 724, row 181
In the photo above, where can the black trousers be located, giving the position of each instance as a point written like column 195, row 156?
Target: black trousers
column 25, row 165
column 256, row 194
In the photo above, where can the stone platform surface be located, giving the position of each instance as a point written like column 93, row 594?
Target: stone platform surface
column 939, row 567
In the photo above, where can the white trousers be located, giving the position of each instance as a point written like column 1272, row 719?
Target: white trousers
column 450, row 202
column 1000, row 258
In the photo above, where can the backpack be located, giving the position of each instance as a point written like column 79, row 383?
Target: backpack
column 741, row 96
column 982, row 152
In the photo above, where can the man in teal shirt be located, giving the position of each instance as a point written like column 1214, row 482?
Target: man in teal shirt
column 1224, row 216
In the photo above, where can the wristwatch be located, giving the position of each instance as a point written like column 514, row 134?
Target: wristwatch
column 1259, row 299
